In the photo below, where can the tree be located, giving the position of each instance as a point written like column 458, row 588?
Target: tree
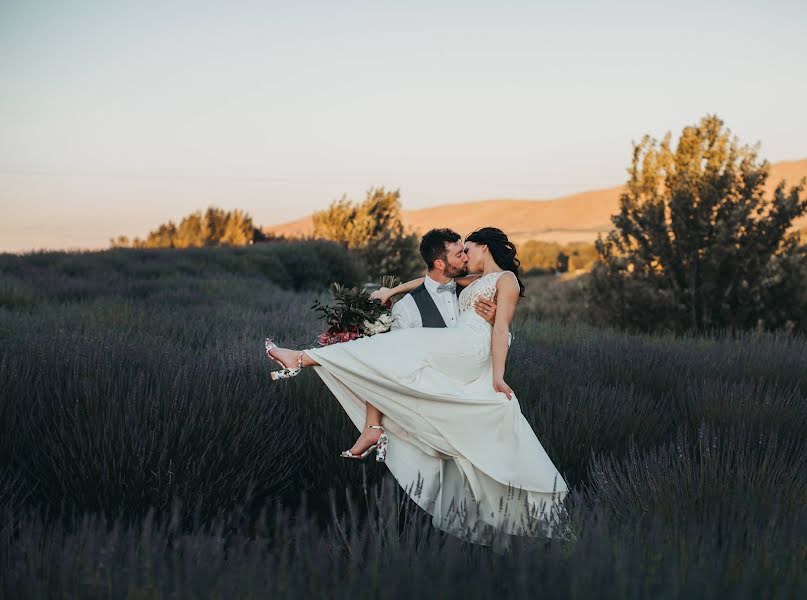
column 373, row 228
column 539, row 255
column 697, row 246
column 121, row 241
column 237, row 230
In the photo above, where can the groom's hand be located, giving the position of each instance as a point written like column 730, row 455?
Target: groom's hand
column 486, row 309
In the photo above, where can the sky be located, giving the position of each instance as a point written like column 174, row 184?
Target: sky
column 118, row 116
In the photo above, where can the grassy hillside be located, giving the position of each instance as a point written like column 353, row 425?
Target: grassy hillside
column 144, row 452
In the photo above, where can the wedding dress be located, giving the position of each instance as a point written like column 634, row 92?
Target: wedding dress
column 462, row 451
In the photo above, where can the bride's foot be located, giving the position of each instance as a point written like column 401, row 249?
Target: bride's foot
column 367, row 438
column 285, row 356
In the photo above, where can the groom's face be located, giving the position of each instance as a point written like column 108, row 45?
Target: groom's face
column 456, row 263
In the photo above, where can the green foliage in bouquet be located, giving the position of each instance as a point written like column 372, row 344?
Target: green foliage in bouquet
column 352, row 314
column 351, row 306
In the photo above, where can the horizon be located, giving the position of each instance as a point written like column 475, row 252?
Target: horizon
column 117, row 119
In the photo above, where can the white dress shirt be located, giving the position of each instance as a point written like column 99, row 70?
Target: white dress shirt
column 406, row 311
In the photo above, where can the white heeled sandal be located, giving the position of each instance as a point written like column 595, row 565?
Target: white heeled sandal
column 284, row 372
column 380, row 447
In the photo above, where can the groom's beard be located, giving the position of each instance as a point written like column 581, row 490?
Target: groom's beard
column 455, row 272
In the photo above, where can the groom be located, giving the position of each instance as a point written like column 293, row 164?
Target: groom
column 434, row 303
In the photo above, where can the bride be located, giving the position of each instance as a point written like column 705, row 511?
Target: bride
column 452, row 432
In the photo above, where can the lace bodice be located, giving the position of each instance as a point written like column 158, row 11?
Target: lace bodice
column 484, row 287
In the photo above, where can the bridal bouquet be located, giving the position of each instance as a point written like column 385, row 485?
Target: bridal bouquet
column 352, row 314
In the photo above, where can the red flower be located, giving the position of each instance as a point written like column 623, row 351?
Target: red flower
column 329, row 336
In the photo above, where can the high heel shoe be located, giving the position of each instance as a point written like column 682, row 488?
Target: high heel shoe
column 380, row 447
column 284, row 372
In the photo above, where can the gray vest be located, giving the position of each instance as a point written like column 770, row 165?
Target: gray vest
column 429, row 313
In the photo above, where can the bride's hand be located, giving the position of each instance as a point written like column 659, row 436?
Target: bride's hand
column 500, row 386
column 382, row 294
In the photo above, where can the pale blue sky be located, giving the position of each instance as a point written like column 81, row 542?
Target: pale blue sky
column 117, row 116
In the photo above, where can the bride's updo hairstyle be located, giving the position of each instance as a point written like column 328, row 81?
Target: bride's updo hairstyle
column 502, row 250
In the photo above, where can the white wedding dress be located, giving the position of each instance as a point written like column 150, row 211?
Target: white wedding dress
column 462, row 451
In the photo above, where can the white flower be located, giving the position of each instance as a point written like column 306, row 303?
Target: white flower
column 380, row 326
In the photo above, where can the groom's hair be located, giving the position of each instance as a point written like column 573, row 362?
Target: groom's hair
column 433, row 245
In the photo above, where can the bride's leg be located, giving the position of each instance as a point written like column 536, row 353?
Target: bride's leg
column 372, row 416
column 308, row 361
column 289, row 358
column 368, row 436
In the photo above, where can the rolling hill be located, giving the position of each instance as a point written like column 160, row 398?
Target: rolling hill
column 579, row 217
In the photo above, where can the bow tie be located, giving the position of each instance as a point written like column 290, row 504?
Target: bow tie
column 447, row 287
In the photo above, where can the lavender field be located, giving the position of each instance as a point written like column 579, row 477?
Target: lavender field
column 145, row 453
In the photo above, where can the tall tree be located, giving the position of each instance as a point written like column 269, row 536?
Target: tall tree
column 375, row 230
column 697, row 245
